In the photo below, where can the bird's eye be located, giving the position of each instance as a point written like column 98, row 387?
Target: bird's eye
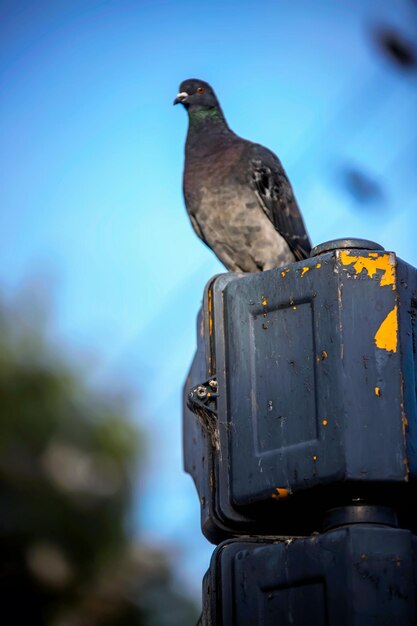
column 200, row 90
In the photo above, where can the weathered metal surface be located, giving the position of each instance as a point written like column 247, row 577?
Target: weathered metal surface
column 362, row 575
column 342, row 244
column 316, row 373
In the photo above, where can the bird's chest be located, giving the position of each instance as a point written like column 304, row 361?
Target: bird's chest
column 213, row 186
column 229, row 217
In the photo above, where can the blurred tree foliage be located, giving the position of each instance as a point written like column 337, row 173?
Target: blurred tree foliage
column 67, row 458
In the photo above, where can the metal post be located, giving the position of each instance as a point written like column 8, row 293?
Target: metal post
column 300, row 432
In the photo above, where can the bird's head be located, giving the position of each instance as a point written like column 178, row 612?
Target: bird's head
column 196, row 95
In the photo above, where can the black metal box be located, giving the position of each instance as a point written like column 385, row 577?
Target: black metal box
column 359, row 575
column 313, row 374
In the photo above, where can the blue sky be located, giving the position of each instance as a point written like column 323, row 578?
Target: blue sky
column 91, row 155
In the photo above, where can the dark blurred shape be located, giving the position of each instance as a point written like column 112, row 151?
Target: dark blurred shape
column 360, row 186
column 67, row 461
column 396, row 48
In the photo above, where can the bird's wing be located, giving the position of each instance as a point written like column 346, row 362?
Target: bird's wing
column 277, row 199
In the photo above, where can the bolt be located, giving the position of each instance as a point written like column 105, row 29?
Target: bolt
column 201, row 391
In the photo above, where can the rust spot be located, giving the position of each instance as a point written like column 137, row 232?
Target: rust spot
column 386, row 335
column 371, row 264
column 280, row 493
column 304, row 271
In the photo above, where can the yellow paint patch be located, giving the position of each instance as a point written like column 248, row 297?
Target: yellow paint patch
column 371, row 264
column 210, row 311
column 387, row 334
column 377, row 391
column 314, row 458
column 324, row 422
column 280, row 493
column 304, row 271
column 264, row 301
column 284, row 272
column 318, row 266
column 294, row 308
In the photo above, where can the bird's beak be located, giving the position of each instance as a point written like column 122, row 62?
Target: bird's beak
column 181, row 97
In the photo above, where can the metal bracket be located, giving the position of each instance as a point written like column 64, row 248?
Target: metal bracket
column 202, row 401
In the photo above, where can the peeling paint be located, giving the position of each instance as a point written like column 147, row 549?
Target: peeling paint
column 386, row 337
column 371, row 264
column 280, row 493
column 404, row 424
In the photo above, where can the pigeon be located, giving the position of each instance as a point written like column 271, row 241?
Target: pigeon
column 237, row 195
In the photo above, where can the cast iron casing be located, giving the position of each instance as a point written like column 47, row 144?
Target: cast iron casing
column 358, row 575
column 315, row 365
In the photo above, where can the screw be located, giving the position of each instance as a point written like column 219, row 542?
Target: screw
column 201, row 391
